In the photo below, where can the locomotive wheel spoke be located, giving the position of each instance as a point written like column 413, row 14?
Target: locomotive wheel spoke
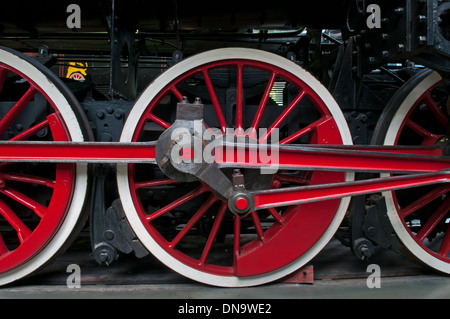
column 158, row 121
column 17, row 196
column 157, row 182
column 276, row 215
column 31, row 131
column 438, row 113
column 177, row 93
column 189, row 196
column 236, row 243
column 199, row 214
column 3, row 248
column 214, row 232
column 257, row 224
column 444, row 249
column 424, row 200
column 16, row 109
column 3, row 74
column 215, row 102
column 428, row 137
column 239, row 96
column 307, row 130
column 23, row 232
column 433, row 220
column 276, row 124
column 295, row 180
column 27, row 179
column 263, row 103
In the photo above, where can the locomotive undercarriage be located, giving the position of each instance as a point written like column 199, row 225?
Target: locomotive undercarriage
column 390, row 86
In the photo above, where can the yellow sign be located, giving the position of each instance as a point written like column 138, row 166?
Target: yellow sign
column 77, row 71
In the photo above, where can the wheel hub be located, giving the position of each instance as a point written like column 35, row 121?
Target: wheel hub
column 181, row 155
column 180, row 144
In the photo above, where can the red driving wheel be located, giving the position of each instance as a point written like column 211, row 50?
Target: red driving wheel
column 186, row 225
column 40, row 203
column 418, row 115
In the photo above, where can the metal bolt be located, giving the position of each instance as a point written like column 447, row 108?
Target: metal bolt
column 422, row 19
column 187, row 154
column 363, row 118
column 241, row 203
column 371, row 231
column 365, row 252
column 422, row 39
column 103, row 256
column 118, row 114
column 100, row 115
column 109, row 235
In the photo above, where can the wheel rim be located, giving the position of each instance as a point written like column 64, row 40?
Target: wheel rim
column 37, row 214
column 420, row 216
column 234, row 252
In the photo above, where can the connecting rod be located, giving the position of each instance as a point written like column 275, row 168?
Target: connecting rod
column 420, row 165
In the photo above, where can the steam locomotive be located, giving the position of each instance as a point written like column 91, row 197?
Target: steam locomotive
column 232, row 140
